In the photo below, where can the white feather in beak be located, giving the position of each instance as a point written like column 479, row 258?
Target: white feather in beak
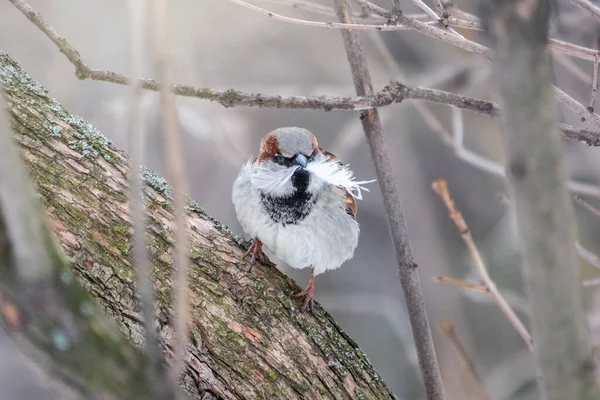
column 334, row 173
column 268, row 181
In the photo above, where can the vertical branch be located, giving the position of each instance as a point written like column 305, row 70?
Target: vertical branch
column 137, row 15
column 409, row 277
column 518, row 31
column 179, row 180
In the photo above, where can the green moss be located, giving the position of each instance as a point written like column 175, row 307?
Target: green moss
column 121, row 229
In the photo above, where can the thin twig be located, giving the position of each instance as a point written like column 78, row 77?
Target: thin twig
column 588, row 6
column 439, row 8
column 589, row 256
column 572, row 67
column 574, row 50
column 426, row 9
column 178, row 177
column 433, row 32
column 390, row 94
column 440, row 19
column 382, row 12
column 448, row 329
column 409, row 277
column 460, row 283
column 594, row 85
column 441, row 189
column 395, row 4
column 137, row 14
column 318, row 8
column 591, row 282
column 586, row 205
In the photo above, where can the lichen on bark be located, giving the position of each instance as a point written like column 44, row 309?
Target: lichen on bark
column 247, row 339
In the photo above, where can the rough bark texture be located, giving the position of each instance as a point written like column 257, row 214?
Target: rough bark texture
column 545, row 218
column 247, row 340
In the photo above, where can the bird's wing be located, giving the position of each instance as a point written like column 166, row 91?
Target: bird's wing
column 351, row 206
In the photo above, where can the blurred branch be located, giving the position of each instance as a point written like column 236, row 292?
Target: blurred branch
column 441, row 188
column 177, row 174
column 457, row 282
column 409, row 277
column 495, row 168
column 245, row 341
column 586, row 205
column 588, row 255
column 393, row 93
column 49, row 308
column 573, row 68
column 543, row 210
column 588, row 6
column 136, row 145
column 448, row 329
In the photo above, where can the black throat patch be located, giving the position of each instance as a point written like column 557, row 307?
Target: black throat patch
column 293, row 208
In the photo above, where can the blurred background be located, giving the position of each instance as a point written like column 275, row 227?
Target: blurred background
column 220, row 45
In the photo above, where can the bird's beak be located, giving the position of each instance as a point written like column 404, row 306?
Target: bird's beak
column 301, row 160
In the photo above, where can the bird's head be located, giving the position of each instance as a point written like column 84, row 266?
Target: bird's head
column 291, row 161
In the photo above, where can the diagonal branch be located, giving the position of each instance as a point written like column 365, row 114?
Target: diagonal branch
column 441, row 189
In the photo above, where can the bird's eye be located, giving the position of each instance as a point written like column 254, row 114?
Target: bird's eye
column 279, row 159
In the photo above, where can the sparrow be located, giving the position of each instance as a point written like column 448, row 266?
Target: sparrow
column 299, row 202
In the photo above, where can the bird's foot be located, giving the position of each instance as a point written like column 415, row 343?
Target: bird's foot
column 255, row 252
column 308, row 293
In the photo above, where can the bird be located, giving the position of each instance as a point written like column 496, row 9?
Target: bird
column 299, row 202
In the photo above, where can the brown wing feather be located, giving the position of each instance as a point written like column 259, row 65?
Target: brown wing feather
column 351, row 206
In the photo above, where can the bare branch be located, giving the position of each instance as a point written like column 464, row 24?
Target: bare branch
column 141, row 262
column 441, row 188
column 393, row 93
column 409, row 277
column 175, row 166
column 448, row 329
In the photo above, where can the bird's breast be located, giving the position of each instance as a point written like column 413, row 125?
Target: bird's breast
column 292, row 208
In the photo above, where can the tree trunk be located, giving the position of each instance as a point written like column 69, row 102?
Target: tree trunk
column 543, row 207
column 247, row 340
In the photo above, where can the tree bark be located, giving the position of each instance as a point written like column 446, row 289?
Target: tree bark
column 543, row 208
column 247, row 340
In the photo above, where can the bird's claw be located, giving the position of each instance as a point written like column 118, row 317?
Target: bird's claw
column 308, row 294
column 255, row 252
